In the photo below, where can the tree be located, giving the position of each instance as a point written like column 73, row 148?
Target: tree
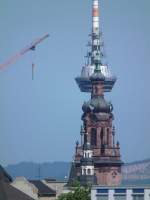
column 79, row 193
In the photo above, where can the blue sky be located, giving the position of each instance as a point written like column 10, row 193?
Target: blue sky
column 40, row 119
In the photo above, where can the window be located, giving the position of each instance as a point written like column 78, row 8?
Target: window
column 89, row 171
column 85, row 138
column 102, row 136
column 138, row 197
column 120, row 197
column 138, row 190
column 138, row 194
column 108, row 136
column 96, row 90
column 102, row 194
column 93, row 137
column 102, row 191
column 102, row 197
column 120, row 191
column 120, row 194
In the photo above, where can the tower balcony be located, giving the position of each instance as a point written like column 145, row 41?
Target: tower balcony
column 84, row 81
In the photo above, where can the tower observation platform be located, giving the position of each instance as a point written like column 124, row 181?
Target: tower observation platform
column 85, row 85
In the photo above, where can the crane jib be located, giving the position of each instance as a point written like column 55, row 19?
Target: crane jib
column 18, row 55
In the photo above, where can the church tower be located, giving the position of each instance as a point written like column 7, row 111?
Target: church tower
column 97, row 159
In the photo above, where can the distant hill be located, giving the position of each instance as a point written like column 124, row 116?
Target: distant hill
column 57, row 170
column 136, row 172
column 139, row 170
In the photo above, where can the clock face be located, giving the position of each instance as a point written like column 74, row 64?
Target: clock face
column 114, row 174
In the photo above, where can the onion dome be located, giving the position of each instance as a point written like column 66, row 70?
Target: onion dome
column 97, row 104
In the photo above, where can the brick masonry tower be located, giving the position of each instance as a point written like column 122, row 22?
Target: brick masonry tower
column 97, row 159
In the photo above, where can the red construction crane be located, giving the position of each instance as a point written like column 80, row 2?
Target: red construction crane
column 18, row 55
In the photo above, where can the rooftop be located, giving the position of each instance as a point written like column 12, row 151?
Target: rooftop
column 8, row 192
column 43, row 190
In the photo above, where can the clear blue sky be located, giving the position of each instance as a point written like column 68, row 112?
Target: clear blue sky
column 40, row 119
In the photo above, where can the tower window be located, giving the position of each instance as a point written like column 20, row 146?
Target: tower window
column 102, row 141
column 89, row 171
column 85, row 138
column 107, row 136
column 96, row 90
column 102, row 136
column 93, row 137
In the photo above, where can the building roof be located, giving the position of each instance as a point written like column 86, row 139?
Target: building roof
column 51, row 180
column 97, row 104
column 72, row 177
column 8, row 192
column 43, row 190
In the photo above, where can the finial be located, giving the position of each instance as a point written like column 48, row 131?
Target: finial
column 86, row 133
column 77, row 143
column 118, row 144
column 82, row 131
column 113, row 133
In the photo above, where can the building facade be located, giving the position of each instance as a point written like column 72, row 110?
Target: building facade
column 103, row 167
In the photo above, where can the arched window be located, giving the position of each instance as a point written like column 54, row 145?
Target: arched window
column 93, row 137
column 85, row 138
column 102, row 141
column 102, row 136
column 107, row 136
column 103, row 149
column 96, row 90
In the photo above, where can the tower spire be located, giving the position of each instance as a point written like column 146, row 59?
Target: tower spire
column 96, row 54
column 95, row 17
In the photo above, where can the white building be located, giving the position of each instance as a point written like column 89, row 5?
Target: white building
column 120, row 193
